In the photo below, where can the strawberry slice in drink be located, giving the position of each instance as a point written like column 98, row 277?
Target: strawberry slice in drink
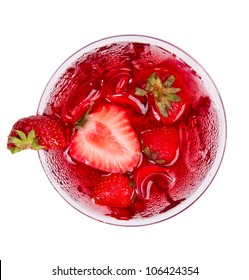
column 106, row 141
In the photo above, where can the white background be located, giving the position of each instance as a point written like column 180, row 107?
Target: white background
column 38, row 230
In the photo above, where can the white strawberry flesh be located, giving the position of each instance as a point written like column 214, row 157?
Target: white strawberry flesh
column 106, row 141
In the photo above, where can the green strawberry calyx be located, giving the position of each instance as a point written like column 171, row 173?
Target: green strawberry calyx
column 84, row 118
column 153, row 155
column 23, row 142
column 164, row 94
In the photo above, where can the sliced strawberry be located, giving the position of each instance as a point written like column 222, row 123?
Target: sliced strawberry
column 106, row 141
column 113, row 190
column 161, row 144
column 37, row 132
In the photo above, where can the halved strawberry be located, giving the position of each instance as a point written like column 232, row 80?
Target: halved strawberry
column 106, row 141
column 37, row 132
column 161, row 144
column 113, row 190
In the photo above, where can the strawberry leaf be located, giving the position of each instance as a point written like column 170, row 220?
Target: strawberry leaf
column 23, row 142
column 140, row 92
column 22, row 135
column 83, row 119
column 147, row 151
column 16, row 141
column 154, row 83
column 149, row 154
column 162, row 107
column 172, row 97
column 160, row 161
column 169, row 82
column 164, row 94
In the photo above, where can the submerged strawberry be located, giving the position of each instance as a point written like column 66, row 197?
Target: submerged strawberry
column 37, row 132
column 147, row 177
column 161, row 144
column 114, row 190
column 106, row 140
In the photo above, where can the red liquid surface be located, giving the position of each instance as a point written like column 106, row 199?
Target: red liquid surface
column 110, row 75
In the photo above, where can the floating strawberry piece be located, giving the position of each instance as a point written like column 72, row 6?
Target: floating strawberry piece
column 161, row 144
column 37, row 132
column 106, row 140
column 113, row 190
column 166, row 103
column 176, row 111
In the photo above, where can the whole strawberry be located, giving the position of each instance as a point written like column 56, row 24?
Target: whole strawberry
column 114, row 190
column 37, row 133
column 161, row 144
column 167, row 102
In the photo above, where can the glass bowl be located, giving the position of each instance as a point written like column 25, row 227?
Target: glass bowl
column 61, row 172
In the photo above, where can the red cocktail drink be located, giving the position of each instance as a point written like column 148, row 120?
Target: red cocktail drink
column 146, row 130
